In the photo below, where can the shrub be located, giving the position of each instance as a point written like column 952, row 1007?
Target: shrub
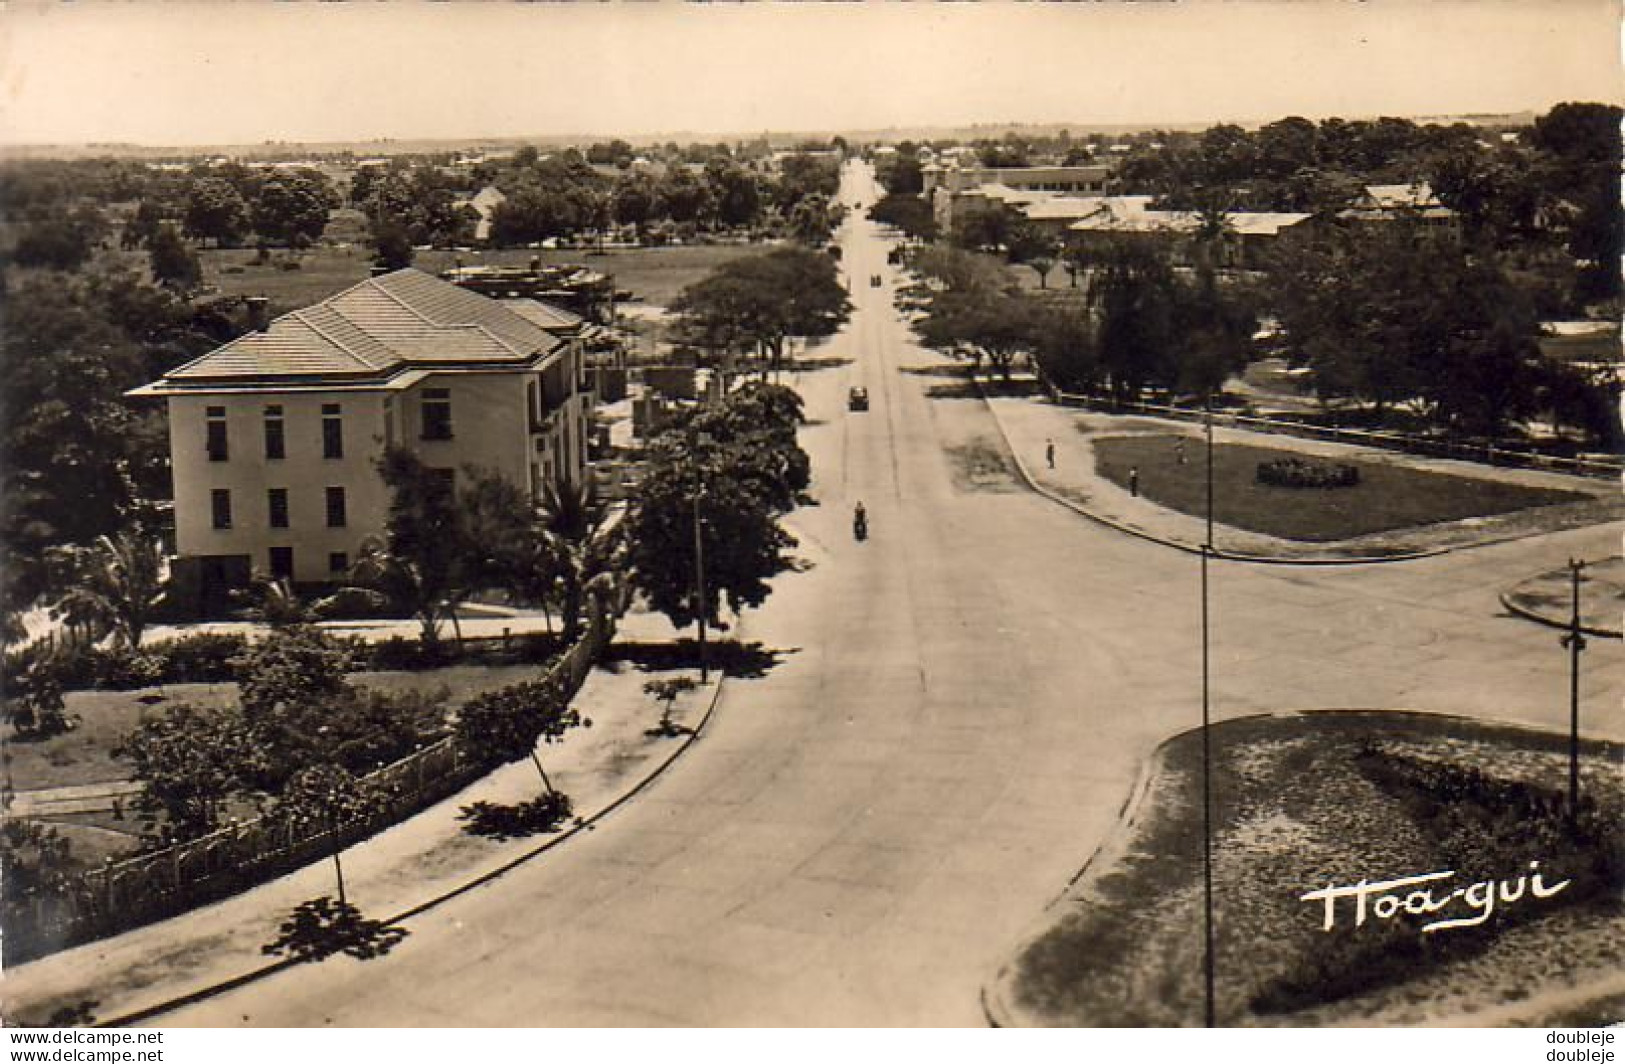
column 121, row 668
column 1305, row 473
column 399, row 654
column 207, row 657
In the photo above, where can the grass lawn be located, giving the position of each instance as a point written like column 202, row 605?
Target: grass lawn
column 1306, row 801
column 1388, row 496
column 655, row 275
column 85, row 754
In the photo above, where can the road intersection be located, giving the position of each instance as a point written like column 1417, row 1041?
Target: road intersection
column 863, row 834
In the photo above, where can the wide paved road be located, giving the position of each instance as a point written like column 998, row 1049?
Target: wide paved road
column 862, row 835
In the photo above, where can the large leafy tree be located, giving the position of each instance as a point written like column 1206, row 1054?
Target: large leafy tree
column 724, row 479
column 1386, row 314
column 973, row 308
column 759, row 302
column 173, row 262
column 215, row 210
column 908, row 212
column 65, row 453
column 292, row 208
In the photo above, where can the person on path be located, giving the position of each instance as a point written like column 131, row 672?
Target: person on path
column 1179, row 451
column 1049, row 452
column 1134, row 481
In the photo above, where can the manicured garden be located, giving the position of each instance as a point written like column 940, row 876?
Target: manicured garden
column 1302, row 802
column 1386, row 496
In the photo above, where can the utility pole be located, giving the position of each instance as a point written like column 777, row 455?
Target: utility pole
column 1575, row 642
column 1207, row 748
column 699, row 586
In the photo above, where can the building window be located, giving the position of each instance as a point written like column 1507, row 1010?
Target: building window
column 275, row 440
column 332, row 431
column 389, row 420
column 437, row 413
column 282, row 563
column 335, row 508
column 276, row 502
column 533, row 396
column 220, row 507
column 215, row 420
column 338, row 562
column 444, row 480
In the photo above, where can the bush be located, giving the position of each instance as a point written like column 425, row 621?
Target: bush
column 400, row 654
column 1304, row 473
column 121, row 668
column 206, row 657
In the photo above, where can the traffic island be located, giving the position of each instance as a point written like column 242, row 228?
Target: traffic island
column 1146, row 477
column 1370, row 868
column 1549, row 598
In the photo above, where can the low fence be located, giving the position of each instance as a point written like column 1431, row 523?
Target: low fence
column 1393, row 441
column 139, row 890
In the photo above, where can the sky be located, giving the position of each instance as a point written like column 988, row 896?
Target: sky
column 189, row 72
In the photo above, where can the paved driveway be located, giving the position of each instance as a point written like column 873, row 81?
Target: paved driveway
column 862, row 835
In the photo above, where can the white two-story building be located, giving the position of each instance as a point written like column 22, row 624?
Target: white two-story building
column 274, row 437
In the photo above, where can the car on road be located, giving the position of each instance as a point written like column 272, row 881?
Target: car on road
column 857, row 399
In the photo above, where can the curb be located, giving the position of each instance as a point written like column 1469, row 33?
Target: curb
column 216, row 989
column 1252, row 559
column 995, row 994
column 1540, row 618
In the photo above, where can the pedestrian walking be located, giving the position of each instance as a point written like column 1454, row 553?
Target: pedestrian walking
column 1179, row 451
column 1049, row 452
column 1134, row 481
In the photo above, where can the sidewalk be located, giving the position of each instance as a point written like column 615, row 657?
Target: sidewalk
column 483, row 622
column 403, row 869
column 1027, row 423
column 81, row 798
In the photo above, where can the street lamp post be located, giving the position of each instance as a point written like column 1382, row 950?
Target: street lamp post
column 699, row 586
column 1207, row 748
column 1575, row 642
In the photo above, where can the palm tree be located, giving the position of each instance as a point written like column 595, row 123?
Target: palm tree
column 406, row 581
column 120, row 584
column 584, row 556
column 1213, row 232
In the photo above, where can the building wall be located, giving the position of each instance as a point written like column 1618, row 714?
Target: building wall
column 492, row 428
column 249, row 475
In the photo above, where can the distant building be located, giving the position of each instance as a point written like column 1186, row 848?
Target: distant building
column 274, row 436
column 484, row 202
column 1248, row 236
column 576, row 288
column 955, row 189
column 1417, row 201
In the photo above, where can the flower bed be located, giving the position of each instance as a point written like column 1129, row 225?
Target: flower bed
column 1304, row 473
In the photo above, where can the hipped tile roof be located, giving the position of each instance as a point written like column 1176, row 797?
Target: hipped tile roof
column 379, row 327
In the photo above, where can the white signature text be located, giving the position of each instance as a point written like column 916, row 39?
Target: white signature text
column 1387, row 898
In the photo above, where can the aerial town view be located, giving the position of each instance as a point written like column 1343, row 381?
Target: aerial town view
column 1066, row 531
